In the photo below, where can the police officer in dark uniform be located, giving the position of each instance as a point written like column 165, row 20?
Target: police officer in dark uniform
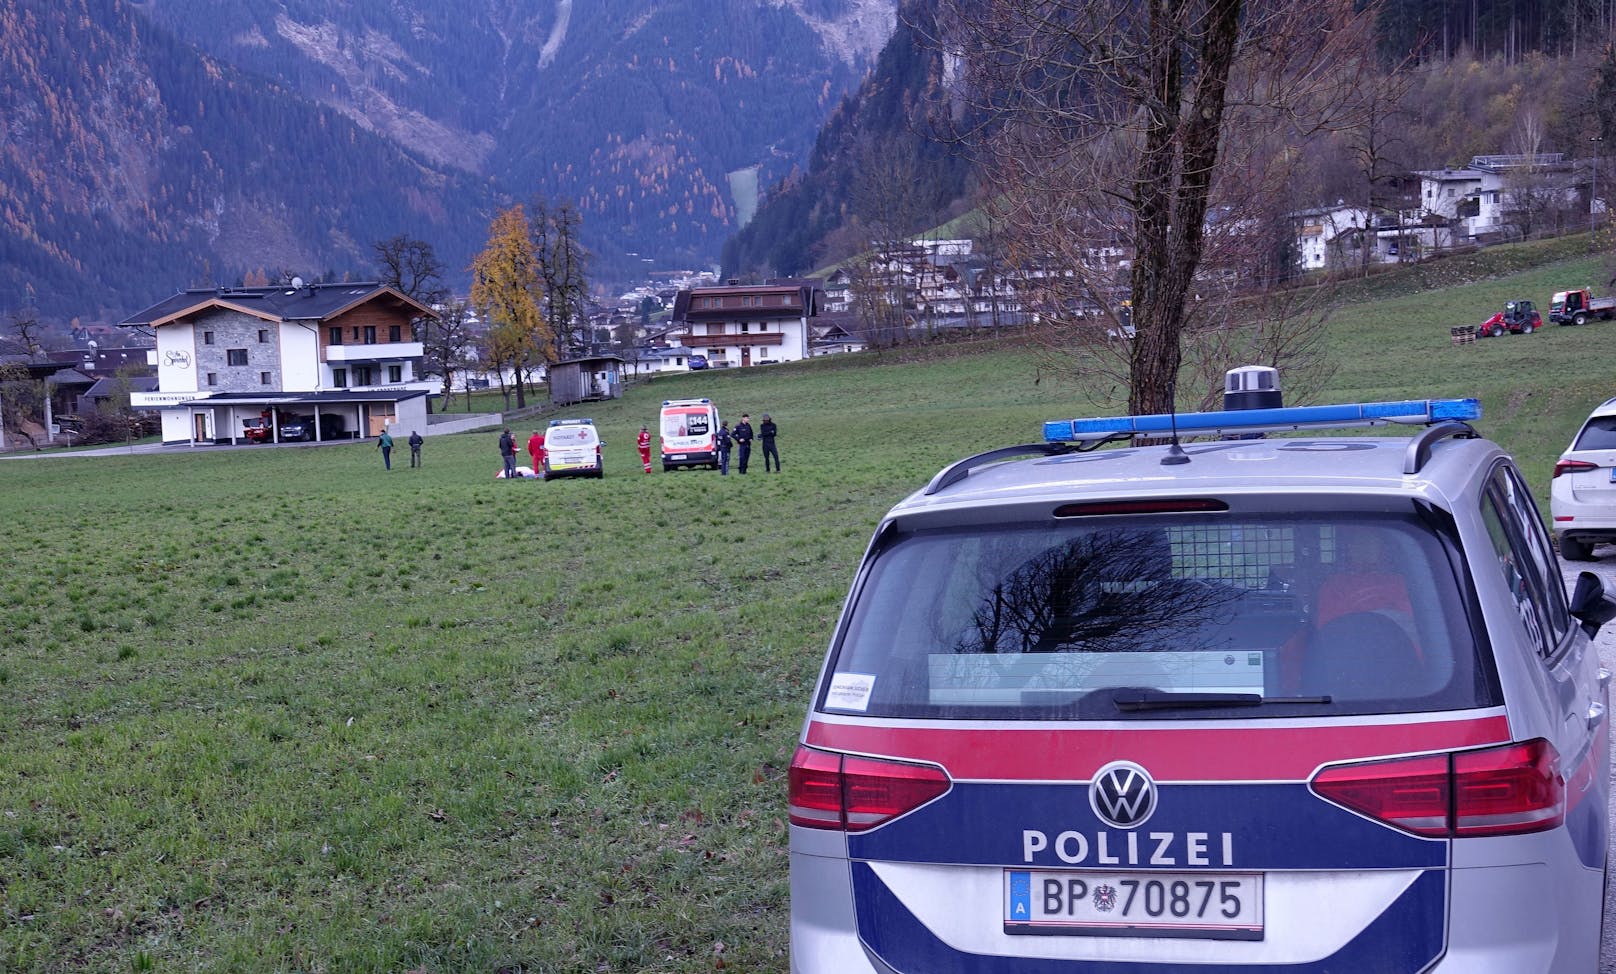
column 766, row 433
column 743, row 442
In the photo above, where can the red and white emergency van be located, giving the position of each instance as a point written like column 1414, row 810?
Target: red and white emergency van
column 689, row 428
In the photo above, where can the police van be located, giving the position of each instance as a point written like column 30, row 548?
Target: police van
column 1302, row 704
column 689, row 433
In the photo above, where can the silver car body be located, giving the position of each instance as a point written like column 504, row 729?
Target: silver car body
column 1238, row 796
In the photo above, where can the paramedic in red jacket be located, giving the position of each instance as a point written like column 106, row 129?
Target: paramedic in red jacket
column 644, row 443
column 535, row 449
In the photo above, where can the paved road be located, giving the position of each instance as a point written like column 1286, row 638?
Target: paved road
column 1605, row 567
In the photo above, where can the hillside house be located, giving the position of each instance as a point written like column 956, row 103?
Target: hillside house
column 745, row 325
column 343, row 352
column 1489, row 198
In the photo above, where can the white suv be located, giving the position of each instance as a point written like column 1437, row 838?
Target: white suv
column 1582, row 498
column 1291, row 704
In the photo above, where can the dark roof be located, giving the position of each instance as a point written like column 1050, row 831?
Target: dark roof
column 106, row 388
column 589, row 358
column 104, row 361
column 36, row 370
column 69, row 376
column 685, row 308
column 311, row 302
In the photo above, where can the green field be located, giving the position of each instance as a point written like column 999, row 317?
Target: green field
column 275, row 709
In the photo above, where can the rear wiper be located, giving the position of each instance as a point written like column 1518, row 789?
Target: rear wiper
column 1164, row 700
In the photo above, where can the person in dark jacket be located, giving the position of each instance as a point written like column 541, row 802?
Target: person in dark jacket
column 384, row 443
column 415, row 448
column 723, row 441
column 507, row 452
column 766, row 433
column 743, row 442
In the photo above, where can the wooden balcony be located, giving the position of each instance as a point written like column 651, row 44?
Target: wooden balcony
column 736, row 340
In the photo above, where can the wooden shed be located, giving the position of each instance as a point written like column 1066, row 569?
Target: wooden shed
column 586, row 379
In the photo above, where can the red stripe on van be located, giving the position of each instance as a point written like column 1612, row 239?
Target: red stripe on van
column 1199, row 753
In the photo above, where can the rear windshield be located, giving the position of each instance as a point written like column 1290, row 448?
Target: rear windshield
column 692, row 422
column 565, row 436
column 1599, row 434
column 1110, row 618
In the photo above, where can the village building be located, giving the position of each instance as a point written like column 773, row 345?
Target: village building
column 745, row 325
column 331, row 361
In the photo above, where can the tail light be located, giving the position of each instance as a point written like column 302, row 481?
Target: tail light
column 838, row 791
column 1573, row 466
column 1511, row 790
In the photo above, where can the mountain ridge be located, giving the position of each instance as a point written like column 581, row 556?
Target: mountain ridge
column 165, row 143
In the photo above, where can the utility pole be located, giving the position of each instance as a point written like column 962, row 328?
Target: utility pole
column 1593, row 192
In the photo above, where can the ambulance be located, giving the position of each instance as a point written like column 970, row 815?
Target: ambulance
column 689, row 427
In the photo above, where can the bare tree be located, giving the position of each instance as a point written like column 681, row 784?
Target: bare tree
column 1375, row 141
column 563, row 264
column 26, row 328
column 1127, row 119
column 887, row 206
column 446, row 346
column 411, row 267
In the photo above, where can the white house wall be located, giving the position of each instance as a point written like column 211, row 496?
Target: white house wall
column 300, row 358
column 176, row 358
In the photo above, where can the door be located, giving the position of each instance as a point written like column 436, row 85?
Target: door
column 746, row 356
column 199, row 432
column 1565, row 655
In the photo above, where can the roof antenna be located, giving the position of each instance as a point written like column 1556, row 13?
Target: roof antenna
column 1175, row 453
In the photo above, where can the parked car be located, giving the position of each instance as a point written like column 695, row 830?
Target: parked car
column 1582, row 495
column 1280, row 704
column 257, row 430
column 572, row 449
column 297, row 428
column 698, row 362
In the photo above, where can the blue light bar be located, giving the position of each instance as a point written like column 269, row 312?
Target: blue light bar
column 1412, row 412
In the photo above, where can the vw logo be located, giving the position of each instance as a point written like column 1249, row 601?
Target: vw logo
column 1122, row 795
column 177, row 359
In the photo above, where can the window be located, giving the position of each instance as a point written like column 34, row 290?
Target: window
column 263, row 378
column 395, row 333
column 745, row 327
column 1527, row 562
column 364, row 375
column 339, row 378
column 1024, row 622
column 207, row 338
column 356, row 333
column 395, row 373
column 236, row 356
column 370, row 334
column 263, row 336
column 213, row 378
column 336, row 335
column 1598, row 434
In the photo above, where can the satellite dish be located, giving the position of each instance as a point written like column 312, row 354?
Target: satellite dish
column 297, row 282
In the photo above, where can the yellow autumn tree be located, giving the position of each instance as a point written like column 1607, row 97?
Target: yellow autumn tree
column 507, row 291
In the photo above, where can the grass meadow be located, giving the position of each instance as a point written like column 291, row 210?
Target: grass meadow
column 275, row 709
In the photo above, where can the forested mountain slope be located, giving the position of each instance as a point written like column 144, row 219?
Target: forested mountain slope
column 162, row 143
